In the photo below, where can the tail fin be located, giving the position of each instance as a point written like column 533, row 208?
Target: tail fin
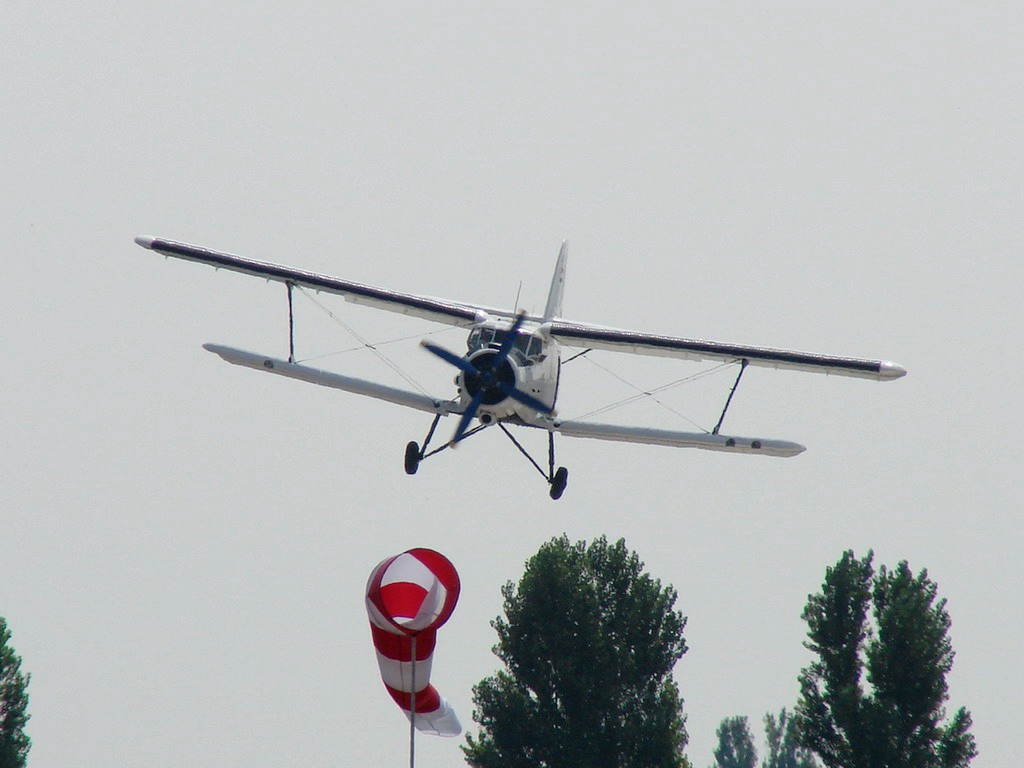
column 553, row 308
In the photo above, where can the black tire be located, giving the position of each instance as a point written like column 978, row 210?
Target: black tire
column 558, row 483
column 412, row 458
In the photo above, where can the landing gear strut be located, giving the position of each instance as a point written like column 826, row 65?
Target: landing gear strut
column 414, row 454
column 557, row 479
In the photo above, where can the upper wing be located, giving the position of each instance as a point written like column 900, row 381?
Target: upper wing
column 615, row 340
column 437, row 310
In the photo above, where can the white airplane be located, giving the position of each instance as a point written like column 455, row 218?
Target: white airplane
column 510, row 372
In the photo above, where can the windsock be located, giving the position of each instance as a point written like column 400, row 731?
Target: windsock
column 408, row 597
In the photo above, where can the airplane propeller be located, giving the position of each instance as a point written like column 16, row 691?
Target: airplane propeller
column 488, row 378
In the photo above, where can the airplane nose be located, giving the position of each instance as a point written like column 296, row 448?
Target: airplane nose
column 492, row 381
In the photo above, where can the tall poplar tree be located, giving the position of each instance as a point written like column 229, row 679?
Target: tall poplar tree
column 588, row 642
column 735, row 744
column 14, row 743
column 875, row 695
column 784, row 750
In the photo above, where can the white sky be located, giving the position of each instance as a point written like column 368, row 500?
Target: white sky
column 185, row 544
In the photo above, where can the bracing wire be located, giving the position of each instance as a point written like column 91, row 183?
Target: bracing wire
column 375, row 344
column 650, row 393
column 364, row 344
column 640, row 392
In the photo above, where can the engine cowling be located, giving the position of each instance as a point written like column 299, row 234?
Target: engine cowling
column 488, row 378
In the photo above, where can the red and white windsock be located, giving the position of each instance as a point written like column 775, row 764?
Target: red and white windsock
column 408, row 597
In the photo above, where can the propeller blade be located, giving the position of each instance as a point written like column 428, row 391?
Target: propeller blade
column 525, row 399
column 450, row 357
column 467, row 417
column 510, row 339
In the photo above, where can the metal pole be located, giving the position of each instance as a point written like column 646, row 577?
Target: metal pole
column 412, row 710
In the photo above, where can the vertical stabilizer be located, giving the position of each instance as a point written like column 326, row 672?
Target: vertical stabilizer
column 553, row 308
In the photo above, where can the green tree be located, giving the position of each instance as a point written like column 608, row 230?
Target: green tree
column 784, row 750
column 588, row 642
column 735, row 744
column 14, row 744
column 875, row 695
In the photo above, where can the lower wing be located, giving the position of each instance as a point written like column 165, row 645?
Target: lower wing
column 334, row 380
column 702, row 440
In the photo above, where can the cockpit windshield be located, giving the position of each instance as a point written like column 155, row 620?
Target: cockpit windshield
column 527, row 347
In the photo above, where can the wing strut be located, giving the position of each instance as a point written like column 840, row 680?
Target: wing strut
column 291, row 324
column 743, row 367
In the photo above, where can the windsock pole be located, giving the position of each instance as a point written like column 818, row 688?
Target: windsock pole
column 412, row 708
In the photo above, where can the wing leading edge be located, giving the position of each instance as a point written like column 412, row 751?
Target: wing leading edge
column 437, row 310
column 615, row 340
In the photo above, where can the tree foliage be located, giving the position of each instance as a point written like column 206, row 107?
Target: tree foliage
column 14, row 743
column 784, row 750
column 735, row 744
column 875, row 694
column 588, row 642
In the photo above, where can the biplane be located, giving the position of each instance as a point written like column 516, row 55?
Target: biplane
column 509, row 374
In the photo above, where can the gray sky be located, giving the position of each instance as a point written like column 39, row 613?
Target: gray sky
column 185, row 544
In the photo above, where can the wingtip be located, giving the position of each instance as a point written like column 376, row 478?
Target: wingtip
column 218, row 350
column 890, row 370
column 145, row 242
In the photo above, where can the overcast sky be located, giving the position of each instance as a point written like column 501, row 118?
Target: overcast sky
column 185, row 544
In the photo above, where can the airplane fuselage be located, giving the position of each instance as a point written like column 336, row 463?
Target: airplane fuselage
column 531, row 367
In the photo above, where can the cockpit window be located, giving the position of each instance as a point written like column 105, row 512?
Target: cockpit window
column 480, row 338
column 527, row 345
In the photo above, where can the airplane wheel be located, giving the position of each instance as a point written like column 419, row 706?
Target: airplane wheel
column 558, row 483
column 412, row 458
